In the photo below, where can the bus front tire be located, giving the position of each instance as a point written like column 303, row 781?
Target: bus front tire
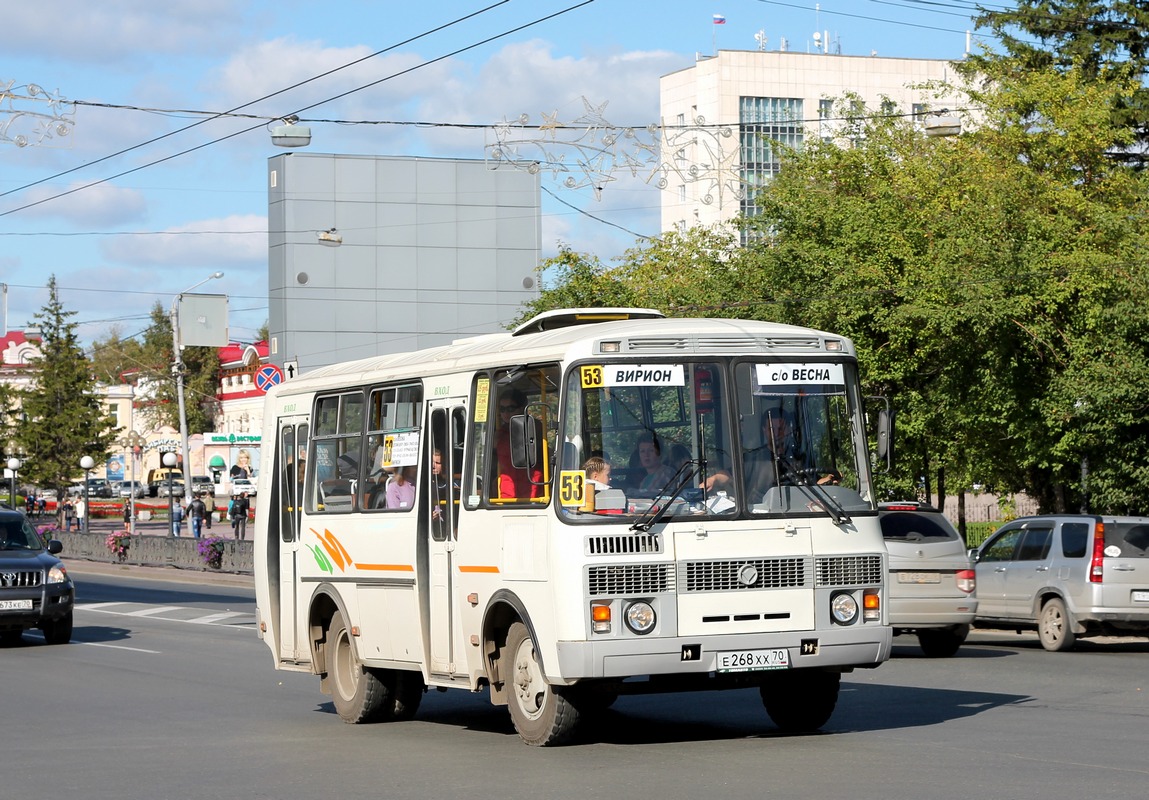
column 358, row 693
column 542, row 713
column 801, row 700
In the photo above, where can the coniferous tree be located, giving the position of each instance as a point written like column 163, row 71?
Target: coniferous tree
column 63, row 417
column 1107, row 40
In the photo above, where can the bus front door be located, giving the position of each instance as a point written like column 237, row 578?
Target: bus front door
column 444, row 462
column 290, row 455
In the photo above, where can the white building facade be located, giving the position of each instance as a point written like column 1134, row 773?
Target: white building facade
column 722, row 116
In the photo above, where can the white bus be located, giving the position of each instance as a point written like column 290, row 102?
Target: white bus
column 426, row 520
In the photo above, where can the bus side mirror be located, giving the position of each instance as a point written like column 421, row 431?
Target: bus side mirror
column 886, row 436
column 524, row 445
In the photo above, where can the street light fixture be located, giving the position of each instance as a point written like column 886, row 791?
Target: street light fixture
column 86, row 464
column 133, row 442
column 13, row 466
column 178, row 371
column 169, row 461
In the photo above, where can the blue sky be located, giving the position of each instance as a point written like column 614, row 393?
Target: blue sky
column 118, row 247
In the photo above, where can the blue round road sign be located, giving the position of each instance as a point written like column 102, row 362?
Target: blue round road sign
column 267, row 377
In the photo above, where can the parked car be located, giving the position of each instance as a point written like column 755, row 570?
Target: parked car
column 99, row 487
column 202, row 484
column 1067, row 575
column 932, row 581
column 131, row 489
column 35, row 590
column 240, row 485
column 175, row 488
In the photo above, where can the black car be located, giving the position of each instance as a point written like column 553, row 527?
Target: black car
column 35, row 590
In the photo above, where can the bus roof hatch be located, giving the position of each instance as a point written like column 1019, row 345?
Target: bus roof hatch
column 566, row 317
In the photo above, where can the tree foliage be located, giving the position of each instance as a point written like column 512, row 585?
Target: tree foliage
column 1107, row 40
column 63, row 417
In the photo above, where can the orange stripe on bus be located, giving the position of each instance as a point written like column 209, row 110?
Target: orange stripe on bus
column 478, row 569
column 387, row 567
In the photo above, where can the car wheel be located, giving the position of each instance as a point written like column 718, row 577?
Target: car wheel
column 1054, row 628
column 942, row 642
column 58, row 631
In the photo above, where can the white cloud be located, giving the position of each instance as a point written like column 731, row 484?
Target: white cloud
column 237, row 239
column 95, row 207
column 117, row 32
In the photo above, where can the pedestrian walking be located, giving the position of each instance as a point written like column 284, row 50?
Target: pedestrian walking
column 41, row 505
column 209, row 501
column 197, row 510
column 239, row 507
column 127, row 512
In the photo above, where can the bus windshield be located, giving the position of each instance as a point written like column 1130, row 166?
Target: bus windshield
column 712, row 438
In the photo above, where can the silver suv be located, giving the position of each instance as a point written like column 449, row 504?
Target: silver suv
column 932, row 585
column 1067, row 575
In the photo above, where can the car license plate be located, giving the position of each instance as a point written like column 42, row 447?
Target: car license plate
column 919, row 577
column 15, row 605
column 1140, row 596
column 750, row 660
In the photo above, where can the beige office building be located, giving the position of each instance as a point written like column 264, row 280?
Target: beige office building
column 722, row 115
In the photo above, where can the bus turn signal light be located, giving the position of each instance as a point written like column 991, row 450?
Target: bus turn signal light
column 871, row 607
column 600, row 617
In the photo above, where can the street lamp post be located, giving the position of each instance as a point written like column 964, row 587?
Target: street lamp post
column 169, row 461
column 13, row 467
column 178, row 371
column 132, row 442
column 86, row 464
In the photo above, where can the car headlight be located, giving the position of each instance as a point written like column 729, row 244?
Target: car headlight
column 843, row 608
column 640, row 617
column 58, row 574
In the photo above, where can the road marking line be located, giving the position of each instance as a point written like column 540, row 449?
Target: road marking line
column 211, row 618
column 147, row 612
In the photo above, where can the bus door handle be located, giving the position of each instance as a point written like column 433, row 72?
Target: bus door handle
column 700, row 532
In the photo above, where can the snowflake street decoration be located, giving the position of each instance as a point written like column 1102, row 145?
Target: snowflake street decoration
column 29, row 115
column 591, row 151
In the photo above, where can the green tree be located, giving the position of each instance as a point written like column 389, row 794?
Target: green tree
column 1108, row 40
column 114, row 356
column 64, row 418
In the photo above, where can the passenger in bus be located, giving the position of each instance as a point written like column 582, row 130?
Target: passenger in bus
column 401, row 489
column 658, row 475
column 512, row 482
column 597, row 473
column 444, row 490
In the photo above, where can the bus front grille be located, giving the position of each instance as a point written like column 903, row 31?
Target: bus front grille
column 630, row 579
column 623, row 544
column 744, row 573
column 849, row 570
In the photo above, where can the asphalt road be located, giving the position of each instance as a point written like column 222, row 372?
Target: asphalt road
column 167, row 693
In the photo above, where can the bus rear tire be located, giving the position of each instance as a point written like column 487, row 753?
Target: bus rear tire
column 801, row 700
column 542, row 714
column 358, row 693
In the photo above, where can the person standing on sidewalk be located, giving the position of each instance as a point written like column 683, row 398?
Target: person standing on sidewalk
column 81, row 509
column 197, row 510
column 239, row 507
column 69, row 513
column 177, row 518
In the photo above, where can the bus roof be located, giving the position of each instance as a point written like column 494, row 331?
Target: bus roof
column 649, row 336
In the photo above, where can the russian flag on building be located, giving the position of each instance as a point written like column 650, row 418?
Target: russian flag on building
column 719, row 19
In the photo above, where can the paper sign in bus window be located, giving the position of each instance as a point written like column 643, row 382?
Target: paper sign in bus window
column 596, row 376
column 799, row 374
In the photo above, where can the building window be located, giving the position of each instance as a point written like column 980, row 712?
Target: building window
column 114, row 413
column 682, row 193
column 763, row 124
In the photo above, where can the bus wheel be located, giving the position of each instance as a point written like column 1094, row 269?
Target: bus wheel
column 358, row 693
column 541, row 712
column 801, row 700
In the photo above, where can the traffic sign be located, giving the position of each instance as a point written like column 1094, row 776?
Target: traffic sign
column 267, row 377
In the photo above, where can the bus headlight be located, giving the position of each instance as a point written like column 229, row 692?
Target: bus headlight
column 640, row 617
column 843, row 608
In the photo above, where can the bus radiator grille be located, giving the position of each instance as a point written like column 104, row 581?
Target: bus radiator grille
column 743, row 573
column 623, row 544
column 849, row 570
column 630, row 579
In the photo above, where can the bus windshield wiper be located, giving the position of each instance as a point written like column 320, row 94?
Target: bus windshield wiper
column 679, row 480
column 819, row 494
